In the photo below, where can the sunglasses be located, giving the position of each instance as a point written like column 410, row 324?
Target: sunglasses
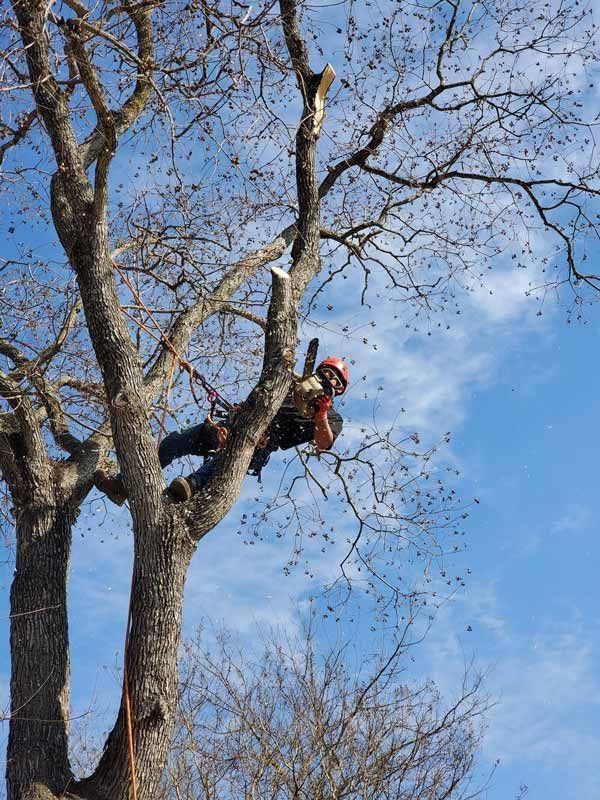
column 332, row 378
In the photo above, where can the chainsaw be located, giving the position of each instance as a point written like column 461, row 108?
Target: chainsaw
column 310, row 385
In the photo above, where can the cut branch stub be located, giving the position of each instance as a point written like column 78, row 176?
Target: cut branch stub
column 326, row 79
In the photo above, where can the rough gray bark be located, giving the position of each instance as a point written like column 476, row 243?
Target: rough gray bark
column 38, row 738
column 165, row 535
column 37, row 746
column 47, row 494
column 161, row 560
column 305, row 250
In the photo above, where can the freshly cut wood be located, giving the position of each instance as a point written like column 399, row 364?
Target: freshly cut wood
column 327, row 78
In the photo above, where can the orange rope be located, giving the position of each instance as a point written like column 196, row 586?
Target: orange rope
column 128, row 721
column 142, row 326
column 164, row 413
column 163, row 336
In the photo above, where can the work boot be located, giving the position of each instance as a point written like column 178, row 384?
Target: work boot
column 183, row 488
column 112, row 486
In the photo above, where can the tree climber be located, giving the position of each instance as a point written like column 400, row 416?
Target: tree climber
column 307, row 415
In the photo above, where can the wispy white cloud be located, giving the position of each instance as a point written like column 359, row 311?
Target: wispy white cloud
column 501, row 297
column 429, row 377
column 549, row 693
column 576, row 518
column 545, row 684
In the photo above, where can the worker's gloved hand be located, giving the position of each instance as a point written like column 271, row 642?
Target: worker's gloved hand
column 222, row 434
column 322, row 406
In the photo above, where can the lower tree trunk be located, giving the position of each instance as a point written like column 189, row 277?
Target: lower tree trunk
column 162, row 556
column 37, row 754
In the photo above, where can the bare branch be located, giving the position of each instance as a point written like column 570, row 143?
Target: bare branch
column 17, row 133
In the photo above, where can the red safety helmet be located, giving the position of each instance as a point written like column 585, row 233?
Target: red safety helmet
column 340, row 368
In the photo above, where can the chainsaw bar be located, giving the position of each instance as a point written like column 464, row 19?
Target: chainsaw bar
column 311, row 357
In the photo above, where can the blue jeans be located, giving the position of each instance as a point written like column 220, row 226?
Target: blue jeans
column 199, row 440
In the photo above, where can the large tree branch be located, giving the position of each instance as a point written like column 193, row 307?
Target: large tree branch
column 24, row 366
column 18, row 420
column 106, row 122
column 30, row 434
column 12, row 352
column 51, row 102
column 378, row 131
column 215, row 500
column 131, row 109
column 305, row 251
column 191, row 319
column 238, row 311
column 9, row 459
column 56, row 416
column 30, row 369
column 86, row 242
column 86, row 387
column 295, row 45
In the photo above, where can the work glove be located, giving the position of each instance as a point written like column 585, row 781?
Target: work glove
column 222, row 434
column 322, row 406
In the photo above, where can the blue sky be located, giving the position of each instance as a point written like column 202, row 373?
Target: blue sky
column 520, row 402
column 518, row 393
column 529, row 444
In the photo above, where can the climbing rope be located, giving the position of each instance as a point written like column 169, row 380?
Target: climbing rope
column 166, row 405
column 212, row 395
column 128, row 721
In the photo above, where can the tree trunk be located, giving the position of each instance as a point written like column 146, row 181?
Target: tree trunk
column 39, row 641
column 162, row 556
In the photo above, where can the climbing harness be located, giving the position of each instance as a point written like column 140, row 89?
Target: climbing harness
column 259, row 461
column 212, row 396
